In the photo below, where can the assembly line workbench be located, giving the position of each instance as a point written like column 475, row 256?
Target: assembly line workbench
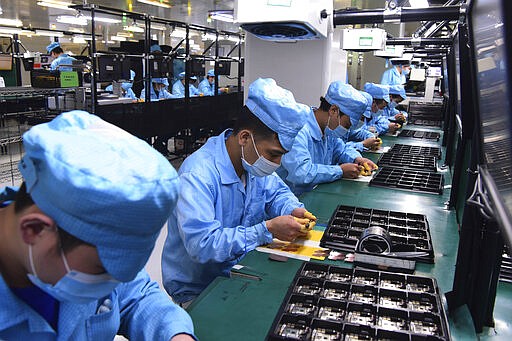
column 239, row 308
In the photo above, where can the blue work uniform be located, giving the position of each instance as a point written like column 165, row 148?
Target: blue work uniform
column 178, row 90
column 162, row 94
column 137, row 309
column 356, row 136
column 206, row 88
column 381, row 124
column 391, row 113
column 128, row 94
column 217, row 220
column 63, row 59
column 314, row 158
column 393, row 77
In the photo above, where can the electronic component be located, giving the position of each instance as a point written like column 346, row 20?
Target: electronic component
column 308, row 289
column 361, row 317
column 392, row 323
column 321, row 334
column 392, row 302
column 335, row 294
column 363, row 297
column 293, row 330
column 301, row 308
column 339, row 277
column 424, row 327
column 423, row 306
column 331, row 313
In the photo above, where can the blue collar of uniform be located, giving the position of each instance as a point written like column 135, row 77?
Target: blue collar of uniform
column 18, row 312
column 314, row 128
column 223, row 162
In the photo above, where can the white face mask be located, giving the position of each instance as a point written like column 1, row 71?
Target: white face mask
column 393, row 104
column 340, row 131
column 75, row 286
column 261, row 167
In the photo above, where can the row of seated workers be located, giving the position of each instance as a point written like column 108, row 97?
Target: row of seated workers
column 77, row 233
column 159, row 86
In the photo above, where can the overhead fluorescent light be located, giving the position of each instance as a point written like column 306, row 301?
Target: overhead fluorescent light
column 49, row 33
column 103, row 19
column 133, row 28
column 11, row 22
column 10, row 30
column 76, row 30
column 56, row 4
column 159, row 3
column 177, row 33
column 418, row 3
column 70, row 19
column 221, row 15
column 117, row 38
column 158, row 27
column 79, row 40
column 208, row 36
column 125, row 34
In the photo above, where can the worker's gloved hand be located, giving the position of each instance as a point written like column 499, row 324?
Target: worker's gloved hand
column 372, row 143
column 350, row 170
column 393, row 127
column 285, row 228
column 361, row 161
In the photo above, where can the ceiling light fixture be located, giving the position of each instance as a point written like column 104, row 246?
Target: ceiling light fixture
column 11, row 22
column 49, row 33
column 103, row 19
column 69, row 19
column 56, row 4
column 418, row 3
column 10, row 30
column 159, row 3
column 117, row 38
column 221, row 15
column 133, row 28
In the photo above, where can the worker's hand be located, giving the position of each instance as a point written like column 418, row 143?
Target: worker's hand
column 350, row 170
column 362, row 160
column 372, row 143
column 301, row 212
column 393, row 127
column 182, row 337
column 285, row 228
column 400, row 117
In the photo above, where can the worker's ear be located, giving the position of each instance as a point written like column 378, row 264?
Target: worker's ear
column 334, row 111
column 244, row 137
column 33, row 225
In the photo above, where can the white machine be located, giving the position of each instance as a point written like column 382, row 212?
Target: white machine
column 363, row 39
column 390, row 51
column 289, row 41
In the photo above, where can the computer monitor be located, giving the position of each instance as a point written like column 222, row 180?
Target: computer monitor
column 28, row 63
column 161, row 66
column 197, row 66
column 224, row 68
column 417, row 75
column 110, row 68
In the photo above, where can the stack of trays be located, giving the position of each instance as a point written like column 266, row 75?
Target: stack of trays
column 426, row 114
column 427, row 135
column 506, row 267
column 348, row 222
column 408, row 161
column 411, row 180
column 416, row 150
column 333, row 303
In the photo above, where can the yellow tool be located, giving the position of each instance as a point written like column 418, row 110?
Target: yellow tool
column 309, row 215
column 366, row 170
column 307, row 223
column 379, row 141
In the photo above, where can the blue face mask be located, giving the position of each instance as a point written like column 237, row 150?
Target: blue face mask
column 406, row 72
column 393, row 104
column 75, row 286
column 359, row 125
column 261, row 167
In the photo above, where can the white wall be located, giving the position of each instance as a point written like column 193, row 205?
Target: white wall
column 304, row 67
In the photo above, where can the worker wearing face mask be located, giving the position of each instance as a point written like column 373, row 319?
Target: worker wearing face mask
column 230, row 200
column 78, row 232
column 379, row 124
column 359, row 137
column 178, row 88
column 126, row 87
column 207, row 85
column 396, row 95
column 397, row 75
column 61, row 61
column 319, row 154
column 158, row 90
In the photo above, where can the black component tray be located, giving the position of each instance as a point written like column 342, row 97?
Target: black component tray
column 410, row 161
column 393, row 307
column 426, row 123
column 411, row 180
column 417, row 134
column 416, row 150
column 348, row 222
column 506, row 267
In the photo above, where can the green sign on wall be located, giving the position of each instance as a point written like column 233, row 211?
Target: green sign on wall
column 68, row 79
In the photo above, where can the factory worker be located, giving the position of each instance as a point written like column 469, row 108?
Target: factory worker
column 59, row 58
column 398, row 73
column 319, row 154
column 178, row 88
column 230, row 199
column 158, row 90
column 396, row 95
column 126, row 87
column 77, row 233
column 207, row 85
column 379, row 123
column 359, row 137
